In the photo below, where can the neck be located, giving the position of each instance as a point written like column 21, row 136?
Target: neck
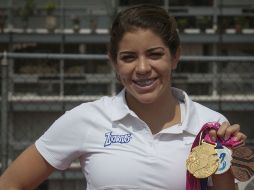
column 158, row 115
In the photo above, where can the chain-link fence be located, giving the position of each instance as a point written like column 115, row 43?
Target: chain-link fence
column 37, row 88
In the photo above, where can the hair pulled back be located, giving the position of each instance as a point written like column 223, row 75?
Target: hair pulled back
column 142, row 16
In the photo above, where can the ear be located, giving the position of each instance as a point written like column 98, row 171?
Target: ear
column 176, row 58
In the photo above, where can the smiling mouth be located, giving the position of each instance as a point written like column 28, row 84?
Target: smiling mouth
column 144, row 82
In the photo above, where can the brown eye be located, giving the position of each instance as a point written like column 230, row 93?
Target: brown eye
column 127, row 58
column 156, row 55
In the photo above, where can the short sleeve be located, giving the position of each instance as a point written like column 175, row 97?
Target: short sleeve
column 63, row 142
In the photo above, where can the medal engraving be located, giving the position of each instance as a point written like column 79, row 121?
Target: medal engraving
column 202, row 161
column 225, row 157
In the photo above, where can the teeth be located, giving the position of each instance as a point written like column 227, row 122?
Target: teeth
column 145, row 82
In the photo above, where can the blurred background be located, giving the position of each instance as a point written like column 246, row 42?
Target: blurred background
column 53, row 57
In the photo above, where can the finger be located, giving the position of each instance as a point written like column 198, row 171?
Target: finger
column 222, row 130
column 213, row 135
column 240, row 137
column 231, row 131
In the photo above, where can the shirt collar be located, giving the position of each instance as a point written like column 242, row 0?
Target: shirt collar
column 191, row 122
column 120, row 107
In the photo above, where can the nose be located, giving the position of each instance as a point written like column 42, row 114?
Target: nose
column 143, row 66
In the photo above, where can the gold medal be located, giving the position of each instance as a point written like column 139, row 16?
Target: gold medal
column 203, row 161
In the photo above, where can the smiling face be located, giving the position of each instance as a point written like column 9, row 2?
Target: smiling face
column 144, row 66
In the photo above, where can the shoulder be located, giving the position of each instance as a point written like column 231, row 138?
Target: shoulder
column 90, row 110
column 107, row 107
column 208, row 114
column 83, row 116
column 92, row 114
column 197, row 111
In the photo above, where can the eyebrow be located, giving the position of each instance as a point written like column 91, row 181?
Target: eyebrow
column 156, row 48
column 148, row 50
column 126, row 52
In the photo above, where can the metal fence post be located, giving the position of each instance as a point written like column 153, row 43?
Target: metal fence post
column 4, row 113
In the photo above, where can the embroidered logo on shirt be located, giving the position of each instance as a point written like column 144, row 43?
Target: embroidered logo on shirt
column 116, row 138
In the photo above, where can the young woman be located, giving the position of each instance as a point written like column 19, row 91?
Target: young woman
column 139, row 139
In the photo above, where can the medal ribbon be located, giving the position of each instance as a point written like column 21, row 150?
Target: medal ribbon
column 193, row 183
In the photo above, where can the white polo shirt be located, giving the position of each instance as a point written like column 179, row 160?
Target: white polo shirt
column 117, row 150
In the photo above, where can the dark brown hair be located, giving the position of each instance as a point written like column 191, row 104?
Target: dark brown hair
column 143, row 16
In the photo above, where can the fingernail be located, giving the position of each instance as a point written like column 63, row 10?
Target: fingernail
column 213, row 138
